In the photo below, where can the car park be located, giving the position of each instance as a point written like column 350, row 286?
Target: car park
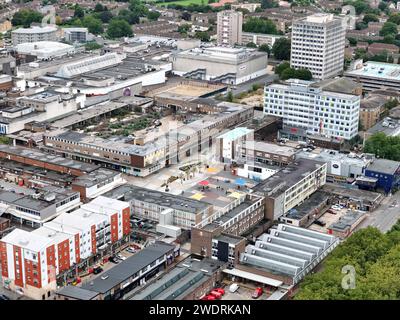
column 131, row 250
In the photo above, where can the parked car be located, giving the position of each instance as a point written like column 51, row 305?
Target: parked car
column 331, row 211
column 131, row 250
column 121, row 257
column 208, row 297
column 320, row 223
column 114, row 260
column 220, row 290
column 4, row 297
column 233, row 287
column 97, row 270
column 216, row 294
column 257, row 293
column 336, row 207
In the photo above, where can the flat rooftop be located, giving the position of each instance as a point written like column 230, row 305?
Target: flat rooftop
column 95, row 177
column 378, row 70
column 287, row 177
column 271, row 148
column 131, row 192
column 34, row 154
column 384, row 166
column 308, row 206
column 347, row 221
column 128, row 268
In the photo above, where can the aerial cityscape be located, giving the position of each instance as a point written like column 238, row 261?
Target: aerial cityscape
column 202, row 150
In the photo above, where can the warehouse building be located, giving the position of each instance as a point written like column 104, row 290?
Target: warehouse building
column 220, row 64
column 285, row 255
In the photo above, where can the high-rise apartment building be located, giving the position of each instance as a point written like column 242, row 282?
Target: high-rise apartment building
column 305, row 105
column 229, row 27
column 318, row 43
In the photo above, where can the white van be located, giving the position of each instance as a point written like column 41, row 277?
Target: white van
column 233, row 287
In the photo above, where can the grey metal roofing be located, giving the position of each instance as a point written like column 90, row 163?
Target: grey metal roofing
column 384, row 166
column 77, row 293
column 128, row 267
column 48, row 158
column 181, row 280
column 131, row 192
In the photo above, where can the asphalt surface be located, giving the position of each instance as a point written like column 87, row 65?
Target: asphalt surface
column 385, row 216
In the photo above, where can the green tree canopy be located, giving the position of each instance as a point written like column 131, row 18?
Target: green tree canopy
column 118, row 28
column 251, row 45
column 281, row 49
column 265, row 48
column 25, row 17
column 369, row 17
column 257, row 25
column 388, row 28
column 94, row 25
column 383, row 146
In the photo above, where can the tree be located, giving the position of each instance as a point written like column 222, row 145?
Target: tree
column 361, row 26
column 251, row 45
column 202, row 35
column 281, row 49
column 79, row 12
column 260, row 25
column 94, row 25
column 89, row 46
column 303, row 74
column 394, row 18
column 369, row 17
column 105, row 16
column 153, row 15
column 138, row 7
column 98, row 7
column 25, row 17
column 288, row 73
column 118, row 28
column 184, row 28
column 265, row 48
column 266, row 4
column 352, row 41
column 128, row 16
column 383, row 146
column 388, row 28
column 281, row 67
column 382, row 6
column 229, row 97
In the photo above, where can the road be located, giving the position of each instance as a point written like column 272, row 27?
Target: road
column 268, row 78
column 385, row 216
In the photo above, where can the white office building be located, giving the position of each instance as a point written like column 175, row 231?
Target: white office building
column 318, row 43
column 302, row 104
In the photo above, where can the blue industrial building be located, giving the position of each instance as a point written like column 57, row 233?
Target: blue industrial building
column 385, row 173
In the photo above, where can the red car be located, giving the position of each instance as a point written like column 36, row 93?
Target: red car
column 216, row 294
column 257, row 293
column 208, row 297
column 220, row 290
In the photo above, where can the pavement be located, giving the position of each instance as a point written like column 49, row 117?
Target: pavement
column 385, row 216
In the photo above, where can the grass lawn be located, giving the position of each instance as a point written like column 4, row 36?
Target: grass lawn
column 184, row 2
